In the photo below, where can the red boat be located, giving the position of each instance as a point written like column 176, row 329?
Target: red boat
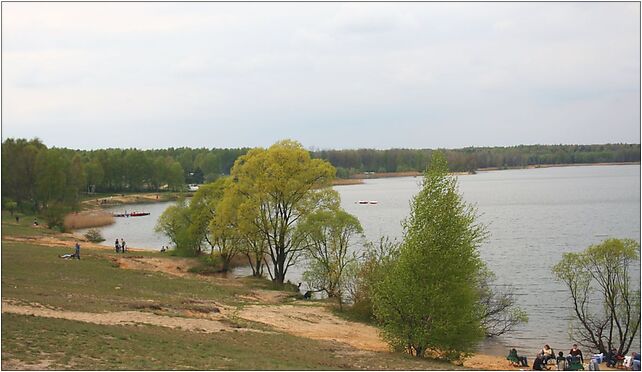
column 132, row 214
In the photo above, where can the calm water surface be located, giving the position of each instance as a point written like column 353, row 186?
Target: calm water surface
column 533, row 217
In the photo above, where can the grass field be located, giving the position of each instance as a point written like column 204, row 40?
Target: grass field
column 33, row 274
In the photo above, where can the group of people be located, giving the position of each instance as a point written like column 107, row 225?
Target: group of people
column 574, row 360
column 613, row 359
column 120, row 245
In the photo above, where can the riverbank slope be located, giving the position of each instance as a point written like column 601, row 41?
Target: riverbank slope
column 129, row 311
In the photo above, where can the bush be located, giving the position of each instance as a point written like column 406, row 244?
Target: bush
column 54, row 216
column 94, row 236
column 210, row 264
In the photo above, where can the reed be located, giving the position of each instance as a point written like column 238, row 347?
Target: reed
column 84, row 220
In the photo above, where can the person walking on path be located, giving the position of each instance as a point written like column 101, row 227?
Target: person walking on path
column 77, row 254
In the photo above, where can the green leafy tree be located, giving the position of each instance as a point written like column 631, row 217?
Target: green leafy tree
column 328, row 236
column 252, row 243
column 606, row 303
column 51, row 181
column 279, row 186
column 427, row 300
column 216, row 220
column 10, row 205
column 376, row 259
column 95, row 175
column 176, row 224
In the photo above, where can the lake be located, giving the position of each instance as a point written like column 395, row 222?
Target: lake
column 533, row 217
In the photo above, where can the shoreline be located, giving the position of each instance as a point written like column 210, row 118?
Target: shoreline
column 358, row 178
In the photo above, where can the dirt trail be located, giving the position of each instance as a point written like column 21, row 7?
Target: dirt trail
column 215, row 323
column 315, row 322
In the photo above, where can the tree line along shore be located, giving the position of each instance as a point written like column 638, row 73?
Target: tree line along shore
column 53, row 181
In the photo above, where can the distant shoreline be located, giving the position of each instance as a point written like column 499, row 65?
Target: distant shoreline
column 357, row 179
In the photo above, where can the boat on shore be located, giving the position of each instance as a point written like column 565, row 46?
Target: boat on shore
column 132, row 214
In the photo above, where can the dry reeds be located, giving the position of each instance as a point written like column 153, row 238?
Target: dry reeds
column 84, row 220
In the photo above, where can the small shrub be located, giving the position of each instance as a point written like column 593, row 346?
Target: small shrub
column 210, row 264
column 94, row 236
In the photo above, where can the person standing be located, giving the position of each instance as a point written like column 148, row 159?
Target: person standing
column 117, row 245
column 77, row 254
column 122, row 244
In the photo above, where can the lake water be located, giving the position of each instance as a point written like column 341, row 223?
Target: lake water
column 533, row 216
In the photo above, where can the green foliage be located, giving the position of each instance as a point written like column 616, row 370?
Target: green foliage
column 600, row 275
column 94, row 236
column 210, row 264
column 427, row 300
column 278, row 187
column 376, row 259
column 10, row 205
column 328, row 235
column 213, row 219
column 472, row 158
column 54, row 215
column 175, row 223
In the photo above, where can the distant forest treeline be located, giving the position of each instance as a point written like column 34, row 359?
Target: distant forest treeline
column 35, row 175
column 349, row 162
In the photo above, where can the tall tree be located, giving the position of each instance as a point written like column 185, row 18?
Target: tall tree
column 428, row 299
column 281, row 185
column 606, row 304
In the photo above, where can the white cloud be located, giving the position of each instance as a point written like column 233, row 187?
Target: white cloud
column 246, row 72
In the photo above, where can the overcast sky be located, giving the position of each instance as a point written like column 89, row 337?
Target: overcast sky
column 330, row 75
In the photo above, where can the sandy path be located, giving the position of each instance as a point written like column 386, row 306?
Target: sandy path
column 315, row 322
column 216, row 322
column 174, row 266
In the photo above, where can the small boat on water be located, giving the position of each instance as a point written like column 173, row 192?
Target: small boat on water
column 367, row 202
column 132, row 214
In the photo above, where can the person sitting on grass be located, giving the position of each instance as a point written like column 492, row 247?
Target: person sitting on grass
column 547, row 354
column 76, row 254
column 538, row 363
column 611, row 358
column 561, row 362
column 575, row 352
column 516, row 359
column 635, row 363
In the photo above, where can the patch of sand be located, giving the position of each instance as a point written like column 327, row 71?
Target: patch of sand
column 59, row 240
column 215, row 322
column 265, row 296
column 315, row 322
column 491, row 362
column 19, row 365
column 174, row 266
